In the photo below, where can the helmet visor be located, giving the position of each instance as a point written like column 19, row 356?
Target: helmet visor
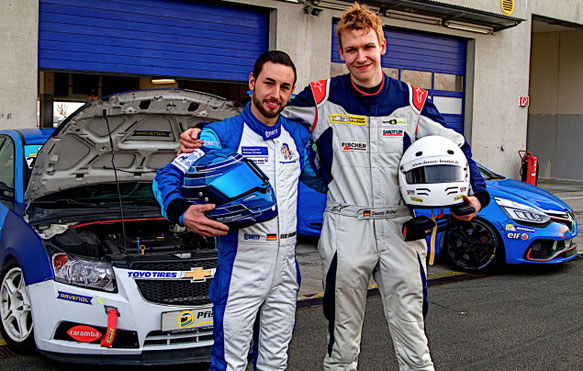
column 435, row 174
column 238, row 180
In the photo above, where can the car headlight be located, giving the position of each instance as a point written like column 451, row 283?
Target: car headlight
column 521, row 212
column 92, row 274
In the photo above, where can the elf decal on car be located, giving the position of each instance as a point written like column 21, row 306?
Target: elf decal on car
column 517, row 236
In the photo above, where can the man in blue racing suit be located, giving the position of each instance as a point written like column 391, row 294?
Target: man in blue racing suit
column 257, row 279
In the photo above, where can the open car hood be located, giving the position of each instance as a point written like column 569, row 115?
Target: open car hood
column 145, row 129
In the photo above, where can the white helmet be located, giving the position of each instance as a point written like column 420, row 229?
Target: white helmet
column 433, row 172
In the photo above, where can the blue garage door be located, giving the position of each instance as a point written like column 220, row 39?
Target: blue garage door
column 177, row 38
column 433, row 62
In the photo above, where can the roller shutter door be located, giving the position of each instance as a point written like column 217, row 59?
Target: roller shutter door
column 178, row 38
column 436, row 63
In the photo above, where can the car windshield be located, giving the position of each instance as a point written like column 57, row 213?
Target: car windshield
column 101, row 195
column 488, row 174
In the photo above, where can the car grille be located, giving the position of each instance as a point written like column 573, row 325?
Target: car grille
column 545, row 250
column 175, row 292
column 567, row 218
column 157, row 338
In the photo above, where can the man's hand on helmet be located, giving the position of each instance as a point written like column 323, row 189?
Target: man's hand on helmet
column 473, row 202
column 189, row 140
column 195, row 220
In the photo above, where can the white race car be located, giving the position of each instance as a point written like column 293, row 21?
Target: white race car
column 91, row 272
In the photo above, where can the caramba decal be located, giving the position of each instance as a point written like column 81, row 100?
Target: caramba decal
column 76, row 298
column 348, row 119
column 84, row 334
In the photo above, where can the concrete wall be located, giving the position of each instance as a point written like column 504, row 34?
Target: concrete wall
column 18, row 63
column 555, row 121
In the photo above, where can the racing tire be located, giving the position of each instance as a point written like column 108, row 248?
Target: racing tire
column 16, row 323
column 473, row 246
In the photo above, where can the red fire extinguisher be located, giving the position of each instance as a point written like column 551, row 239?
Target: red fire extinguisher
column 528, row 167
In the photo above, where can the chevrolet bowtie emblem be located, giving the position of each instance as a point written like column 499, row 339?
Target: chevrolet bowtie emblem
column 199, row 274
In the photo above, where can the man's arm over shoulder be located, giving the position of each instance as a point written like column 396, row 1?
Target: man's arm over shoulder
column 302, row 108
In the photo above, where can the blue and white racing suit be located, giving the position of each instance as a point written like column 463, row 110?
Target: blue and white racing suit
column 257, row 277
column 361, row 138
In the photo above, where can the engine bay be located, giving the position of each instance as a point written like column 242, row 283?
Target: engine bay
column 112, row 240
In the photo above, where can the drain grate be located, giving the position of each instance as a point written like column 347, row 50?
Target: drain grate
column 5, row 352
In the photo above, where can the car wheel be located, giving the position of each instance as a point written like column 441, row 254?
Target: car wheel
column 473, row 246
column 16, row 320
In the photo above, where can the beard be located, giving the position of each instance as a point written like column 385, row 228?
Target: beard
column 263, row 111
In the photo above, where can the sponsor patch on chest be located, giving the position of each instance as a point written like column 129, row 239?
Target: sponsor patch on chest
column 348, row 119
column 392, row 127
column 354, row 147
column 259, row 154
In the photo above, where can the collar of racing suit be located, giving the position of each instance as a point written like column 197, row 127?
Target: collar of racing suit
column 267, row 132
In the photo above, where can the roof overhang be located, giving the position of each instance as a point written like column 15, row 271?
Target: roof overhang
column 448, row 15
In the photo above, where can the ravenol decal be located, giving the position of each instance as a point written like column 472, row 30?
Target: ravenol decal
column 198, row 274
column 457, row 198
column 416, row 199
column 84, row 334
column 151, row 133
column 348, row 119
column 354, row 146
column 76, row 298
column 187, row 319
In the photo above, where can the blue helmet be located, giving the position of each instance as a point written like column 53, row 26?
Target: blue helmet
column 239, row 189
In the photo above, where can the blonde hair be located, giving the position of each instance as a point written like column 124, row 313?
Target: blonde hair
column 360, row 17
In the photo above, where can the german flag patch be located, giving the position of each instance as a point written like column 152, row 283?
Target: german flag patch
column 366, row 213
column 271, row 237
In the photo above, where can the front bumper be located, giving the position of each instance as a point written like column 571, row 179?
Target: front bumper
column 139, row 337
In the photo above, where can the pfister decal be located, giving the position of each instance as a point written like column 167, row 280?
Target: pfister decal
column 84, row 334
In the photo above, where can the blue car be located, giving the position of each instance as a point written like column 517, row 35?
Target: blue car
column 90, row 272
column 522, row 224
